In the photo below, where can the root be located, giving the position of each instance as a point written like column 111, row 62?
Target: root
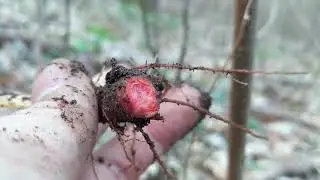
column 213, row 70
column 215, row 116
column 127, row 140
column 133, row 151
column 155, row 154
column 131, row 159
column 122, row 142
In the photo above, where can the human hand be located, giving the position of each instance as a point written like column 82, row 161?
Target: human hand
column 54, row 138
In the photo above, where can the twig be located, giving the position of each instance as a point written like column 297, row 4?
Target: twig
column 66, row 37
column 238, row 81
column 147, row 32
column 272, row 17
column 215, row 116
column 244, row 22
column 185, row 39
column 214, row 70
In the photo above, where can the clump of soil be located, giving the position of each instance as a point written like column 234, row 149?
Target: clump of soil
column 129, row 95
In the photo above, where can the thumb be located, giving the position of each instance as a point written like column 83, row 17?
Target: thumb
column 57, row 133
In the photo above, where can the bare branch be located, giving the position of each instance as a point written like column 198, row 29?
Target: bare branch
column 185, row 36
column 272, row 17
column 238, row 39
column 147, row 31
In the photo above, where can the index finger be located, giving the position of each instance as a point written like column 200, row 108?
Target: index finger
column 56, row 134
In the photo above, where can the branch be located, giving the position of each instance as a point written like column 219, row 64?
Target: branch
column 245, row 19
column 272, row 17
column 146, row 29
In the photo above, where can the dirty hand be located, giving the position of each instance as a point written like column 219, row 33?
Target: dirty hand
column 54, row 138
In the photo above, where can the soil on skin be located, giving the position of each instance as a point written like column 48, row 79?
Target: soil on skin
column 77, row 67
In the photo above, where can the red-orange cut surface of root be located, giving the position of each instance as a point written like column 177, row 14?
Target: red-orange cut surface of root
column 129, row 95
column 138, row 97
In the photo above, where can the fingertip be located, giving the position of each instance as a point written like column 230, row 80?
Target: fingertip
column 65, row 85
column 56, row 74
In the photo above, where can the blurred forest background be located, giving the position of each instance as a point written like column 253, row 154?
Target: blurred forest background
column 284, row 108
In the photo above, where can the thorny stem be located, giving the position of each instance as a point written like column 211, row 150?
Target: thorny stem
column 184, row 45
column 155, row 154
column 215, row 116
column 213, row 70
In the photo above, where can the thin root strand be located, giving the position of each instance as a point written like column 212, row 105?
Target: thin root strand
column 214, row 70
column 155, row 154
column 215, row 116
